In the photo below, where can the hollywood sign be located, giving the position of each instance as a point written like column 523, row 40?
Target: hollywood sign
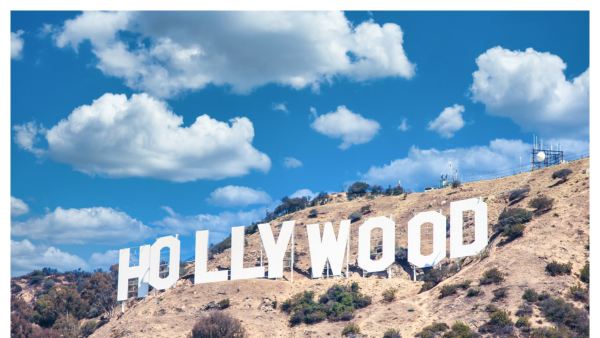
column 323, row 249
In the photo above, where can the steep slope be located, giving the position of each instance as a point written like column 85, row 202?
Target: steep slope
column 560, row 234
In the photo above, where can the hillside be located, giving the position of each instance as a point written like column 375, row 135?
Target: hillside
column 560, row 234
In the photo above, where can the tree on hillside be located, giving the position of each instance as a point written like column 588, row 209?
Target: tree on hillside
column 358, row 188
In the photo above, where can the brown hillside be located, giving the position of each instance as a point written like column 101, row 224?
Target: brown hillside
column 560, row 234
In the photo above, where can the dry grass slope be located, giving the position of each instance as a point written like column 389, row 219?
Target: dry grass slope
column 548, row 237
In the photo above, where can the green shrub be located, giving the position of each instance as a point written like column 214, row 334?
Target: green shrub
column 541, row 204
column 435, row 276
column 491, row 308
column 455, row 184
column 553, row 332
column 500, row 318
column 448, row 290
column 274, row 304
column 473, row 292
column 562, row 174
column 224, row 303
column 513, row 232
column 218, row 324
column 578, row 293
column 557, row 269
column 48, row 284
column 543, row 295
column 518, row 194
column 313, row 213
column 222, row 246
column 499, row 294
column 351, row 329
column 584, row 273
column 460, row 330
column 389, row 294
column 465, row 284
column 392, row 333
column 431, row 330
column 88, row 328
column 562, row 313
column 513, row 216
column 355, row 216
column 358, row 188
column 338, row 303
column 523, row 323
column 524, row 310
column 492, row 276
column 530, row 295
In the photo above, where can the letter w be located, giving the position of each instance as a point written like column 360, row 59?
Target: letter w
column 329, row 249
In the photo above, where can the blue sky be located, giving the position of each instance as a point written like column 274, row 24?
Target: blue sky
column 107, row 151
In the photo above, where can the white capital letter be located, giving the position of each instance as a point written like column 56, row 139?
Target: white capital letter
column 439, row 239
column 237, row 257
column 141, row 272
column 275, row 252
column 174, row 246
column 330, row 248
column 364, row 244
column 200, row 274
column 457, row 249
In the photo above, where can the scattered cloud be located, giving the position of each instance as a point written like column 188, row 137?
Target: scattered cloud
column 291, row 162
column 16, row 45
column 142, row 137
column 423, row 167
column 104, row 260
column 449, row 121
column 280, row 106
column 403, row 126
column 303, row 193
column 350, row 127
column 26, row 137
column 18, row 207
column 244, row 50
column 231, row 196
column 26, row 257
column 97, row 225
column 313, row 112
column 218, row 225
column 530, row 88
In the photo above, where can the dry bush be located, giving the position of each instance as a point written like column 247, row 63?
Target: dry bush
column 541, row 204
column 518, row 194
column 563, row 174
column 492, row 276
column 557, row 269
column 218, row 325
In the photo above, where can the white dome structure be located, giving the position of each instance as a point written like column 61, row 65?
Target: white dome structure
column 540, row 156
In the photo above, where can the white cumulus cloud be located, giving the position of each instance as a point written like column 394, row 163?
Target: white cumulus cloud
column 17, row 207
column 16, row 44
column 142, row 137
column 403, row 126
column 232, row 195
column 280, row 106
column 530, row 88
column 423, row 167
column 182, row 51
column 350, row 127
column 104, row 260
column 218, row 225
column 26, row 257
column 97, row 225
column 304, row 193
column 291, row 162
column 449, row 121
